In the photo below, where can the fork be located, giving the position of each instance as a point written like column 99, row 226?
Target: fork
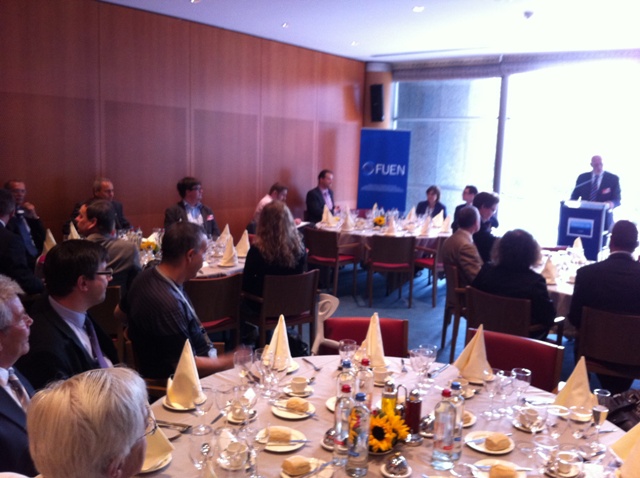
column 315, row 367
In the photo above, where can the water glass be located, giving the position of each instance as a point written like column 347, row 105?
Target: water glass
column 200, row 446
column 491, row 383
column 557, row 420
column 579, row 420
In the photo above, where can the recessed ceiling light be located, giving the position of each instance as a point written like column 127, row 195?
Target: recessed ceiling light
column 195, row 1
column 418, row 9
column 285, row 25
column 354, row 43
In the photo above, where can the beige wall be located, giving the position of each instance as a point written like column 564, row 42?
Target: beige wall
column 90, row 89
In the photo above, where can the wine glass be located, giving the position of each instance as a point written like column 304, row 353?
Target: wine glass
column 557, row 420
column 599, row 415
column 521, row 381
column 347, row 348
column 279, row 369
column 223, row 397
column 200, row 448
column 244, row 399
column 257, row 438
column 242, row 361
column 491, row 383
column 505, row 389
column 418, row 361
column 579, row 420
column 429, row 354
column 202, row 400
column 262, row 359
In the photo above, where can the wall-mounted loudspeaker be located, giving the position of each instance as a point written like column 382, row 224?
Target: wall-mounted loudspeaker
column 377, row 103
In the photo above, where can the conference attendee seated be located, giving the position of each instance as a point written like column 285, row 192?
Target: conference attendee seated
column 510, row 275
column 319, row 197
column 13, row 255
column 432, row 206
column 160, row 315
column 468, row 193
column 459, row 249
column 96, row 221
column 190, row 208
column 65, row 341
column 487, row 205
column 15, row 389
column 93, row 425
column 102, row 189
column 612, row 285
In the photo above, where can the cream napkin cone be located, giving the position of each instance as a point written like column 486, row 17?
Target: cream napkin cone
column 348, row 224
column 473, row 359
column 230, row 257
column 49, row 242
column 438, row 219
column 374, row 209
column 549, row 272
column 446, row 224
column 631, row 466
column 225, row 234
column 426, row 225
column 242, row 247
column 73, row 232
column 577, row 244
column 628, row 442
column 158, row 447
column 279, row 344
column 185, row 384
column 576, row 392
column 391, row 226
column 412, row 214
column 327, row 218
column 372, row 344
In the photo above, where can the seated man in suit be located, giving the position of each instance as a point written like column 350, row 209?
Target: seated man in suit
column 15, row 390
column 191, row 209
column 96, row 221
column 64, row 339
column 487, row 205
column 26, row 222
column 468, row 194
column 460, row 250
column 320, row 196
column 612, row 285
column 13, row 256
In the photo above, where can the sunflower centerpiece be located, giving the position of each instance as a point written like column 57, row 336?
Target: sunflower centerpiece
column 386, row 429
column 379, row 221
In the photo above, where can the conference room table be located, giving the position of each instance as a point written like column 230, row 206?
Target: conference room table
column 313, row 429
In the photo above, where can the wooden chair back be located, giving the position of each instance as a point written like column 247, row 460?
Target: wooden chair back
column 455, row 306
column 498, row 313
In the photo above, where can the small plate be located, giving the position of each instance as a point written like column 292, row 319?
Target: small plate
column 175, row 408
column 159, row 465
column 291, row 415
column 253, row 414
column 493, row 461
column 469, row 393
column 516, row 424
column 287, row 447
column 230, row 265
column 378, row 384
column 325, row 446
column 315, row 463
column 480, row 446
column 293, row 366
column 386, row 474
column 471, row 421
column 331, row 403
column 307, row 391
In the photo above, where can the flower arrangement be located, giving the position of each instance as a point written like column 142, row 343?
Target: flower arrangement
column 379, row 221
column 148, row 245
column 385, row 430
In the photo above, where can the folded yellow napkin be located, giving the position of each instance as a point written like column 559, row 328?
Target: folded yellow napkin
column 49, row 242
column 576, row 392
column 185, row 385
column 391, row 226
column 473, row 359
column 549, row 272
column 348, row 224
column 411, row 216
column 230, row 257
column 158, row 447
column 372, row 344
column 327, row 218
column 577, row 244
column 625, row 444
column 446, row 224
column 279, row 344
column 631, row 466
column 73, row 232
column 242, row 247
column 438, row 219
column 426, row 225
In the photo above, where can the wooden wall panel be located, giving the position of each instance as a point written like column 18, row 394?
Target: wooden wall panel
column 145, row 157
column 340, row 92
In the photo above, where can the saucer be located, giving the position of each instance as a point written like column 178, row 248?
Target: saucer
column 386, row 474
column 307, row 391
column 480, row 446
column 159, row 465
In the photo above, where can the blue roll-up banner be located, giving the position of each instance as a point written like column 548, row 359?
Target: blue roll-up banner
column 384, row 167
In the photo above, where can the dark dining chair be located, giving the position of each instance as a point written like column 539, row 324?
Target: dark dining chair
column 391, row 255
column 103, row 315
column 455, row 307
column 428, row 258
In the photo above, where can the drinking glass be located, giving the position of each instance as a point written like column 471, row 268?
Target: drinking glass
column 418, row 364
column 557, row 420
column 200, row 448
column 223, row 397
column 579, row 420
column 491, row 383
column 257, row 438
column 521, row 382
column 262, row 359
column 505, row 389
column 545, row 452
column 279, row 369
column 242, row 361
column 244, row 399
column 347, row 348
column 202, row 401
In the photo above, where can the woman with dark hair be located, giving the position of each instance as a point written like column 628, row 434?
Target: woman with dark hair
column 432, row 206
column 510, row 275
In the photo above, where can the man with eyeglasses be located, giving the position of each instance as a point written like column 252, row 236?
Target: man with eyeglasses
column 15, row 390
column 190, row 208
column 65, row 340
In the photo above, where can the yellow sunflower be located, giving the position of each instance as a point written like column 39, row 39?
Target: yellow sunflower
column 400, row 428
column 379, row 221
column 382, row 436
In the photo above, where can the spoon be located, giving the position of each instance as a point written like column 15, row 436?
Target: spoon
column 404, row 367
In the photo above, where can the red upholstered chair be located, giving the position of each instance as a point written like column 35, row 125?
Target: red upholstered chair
column 395, row 333
column 391, row 254
column 506, row 351
column 429, row 259
column 324, row 250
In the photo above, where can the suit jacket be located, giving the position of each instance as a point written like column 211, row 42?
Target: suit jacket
column 37, row 232
column 178, row 213
column 315, row 204
column 13, row 433
column 124, row 259
column 421, row 209
column 13, row 262
column 55, row 352
column 612, row 285
column 121, row 221
column 609, row 188
column 460, row 251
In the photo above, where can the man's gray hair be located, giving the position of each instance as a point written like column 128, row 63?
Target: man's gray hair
column 9, row 290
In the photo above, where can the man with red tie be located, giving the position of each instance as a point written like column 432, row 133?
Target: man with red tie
column 65, row 340
column 320, row 196
column 15, row 390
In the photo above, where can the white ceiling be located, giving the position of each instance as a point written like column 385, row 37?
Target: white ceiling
column 389, row 31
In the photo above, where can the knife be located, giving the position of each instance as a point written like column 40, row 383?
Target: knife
column 181, row 427
column 488, row 467
column 218, row 417
column 316, row 470
column 286, row 443
column 437, row 371
column 282, row 407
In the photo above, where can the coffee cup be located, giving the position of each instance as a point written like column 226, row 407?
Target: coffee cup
column 380, row 374
column 298, row 384
column 236, row 454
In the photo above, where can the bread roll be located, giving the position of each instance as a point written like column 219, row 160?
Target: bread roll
column 497, row 442
column 502, row 471
column 298, row 404
column 296, row 465
column 280, row 434
column 467, row 417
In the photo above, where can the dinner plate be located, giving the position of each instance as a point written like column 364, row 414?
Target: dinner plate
column 315, row 463
column 287, row 447
column 307, row 391
column 158, row 465
column 494, row 461
column 175, row 408
column 480, row 446
column 471, row 421
column 291, row 415
column 331, row 403
column 386, row 474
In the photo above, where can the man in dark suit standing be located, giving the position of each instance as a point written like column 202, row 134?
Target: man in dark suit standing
column 65, row 340
column 191, row 209
column 320, row 196
column 598, row 186
column 15, row 390
column 612, row 285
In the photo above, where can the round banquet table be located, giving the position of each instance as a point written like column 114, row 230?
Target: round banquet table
column 418, row 458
